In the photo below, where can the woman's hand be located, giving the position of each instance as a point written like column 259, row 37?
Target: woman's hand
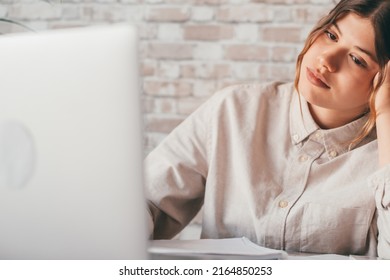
column 382, row 100
column 382, row 106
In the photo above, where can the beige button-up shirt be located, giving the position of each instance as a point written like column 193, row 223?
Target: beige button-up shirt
column 262, row 168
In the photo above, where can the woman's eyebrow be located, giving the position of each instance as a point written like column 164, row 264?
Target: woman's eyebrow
column 372, row 56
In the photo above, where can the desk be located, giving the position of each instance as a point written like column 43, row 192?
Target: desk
column 230, row 249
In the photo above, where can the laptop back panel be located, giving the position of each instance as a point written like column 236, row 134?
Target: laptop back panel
column 71, row 145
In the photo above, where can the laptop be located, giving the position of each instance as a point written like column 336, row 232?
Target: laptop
column 71, row 145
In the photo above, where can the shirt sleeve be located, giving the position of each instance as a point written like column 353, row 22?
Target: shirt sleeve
column 381, row 184
column 176, row 171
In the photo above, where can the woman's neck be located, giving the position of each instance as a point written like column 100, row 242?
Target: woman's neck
column 328, row 118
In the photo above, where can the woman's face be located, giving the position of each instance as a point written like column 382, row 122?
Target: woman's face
column 338, row 69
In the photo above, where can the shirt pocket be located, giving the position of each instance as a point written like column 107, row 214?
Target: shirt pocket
column 329, row 229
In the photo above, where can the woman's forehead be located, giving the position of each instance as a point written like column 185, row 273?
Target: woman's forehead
column 358, row 31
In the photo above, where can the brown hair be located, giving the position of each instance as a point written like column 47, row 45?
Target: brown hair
column 378, row 12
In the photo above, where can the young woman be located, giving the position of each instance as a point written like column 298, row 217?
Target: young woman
column 291, row 166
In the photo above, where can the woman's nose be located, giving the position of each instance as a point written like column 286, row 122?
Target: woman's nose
column 329, row 61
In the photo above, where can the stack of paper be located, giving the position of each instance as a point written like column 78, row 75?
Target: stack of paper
column 227, row 248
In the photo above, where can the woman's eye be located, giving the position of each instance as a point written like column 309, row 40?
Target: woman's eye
column 330, row 35
column 358, row 61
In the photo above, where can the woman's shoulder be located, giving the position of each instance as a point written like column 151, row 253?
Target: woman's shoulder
column 246, row 99
column 255, row 91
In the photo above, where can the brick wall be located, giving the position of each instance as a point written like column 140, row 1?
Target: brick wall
column 189, row 48
column 196, row 47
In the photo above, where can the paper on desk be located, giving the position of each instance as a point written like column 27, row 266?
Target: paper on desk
column 233, row 247
column 318, row 257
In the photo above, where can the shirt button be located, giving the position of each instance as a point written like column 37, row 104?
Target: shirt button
column 296, row 137
column 332, row 153
column 283, row 204
column 303, row 158
column 317, row 135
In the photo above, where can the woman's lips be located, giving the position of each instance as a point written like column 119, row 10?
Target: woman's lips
column 316, row 78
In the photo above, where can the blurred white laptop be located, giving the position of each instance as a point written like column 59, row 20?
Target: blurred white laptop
column 71, row 145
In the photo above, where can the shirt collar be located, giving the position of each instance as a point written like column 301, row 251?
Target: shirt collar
column 336, row 141
column 302, row 124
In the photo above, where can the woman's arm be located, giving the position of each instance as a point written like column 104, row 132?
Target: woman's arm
column 382, row 180
column 176, row 170
column 175, row 176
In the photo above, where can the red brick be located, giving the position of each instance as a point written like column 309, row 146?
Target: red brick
column 208, row 32
column 170, row 14
column 245, row 13
column 148, row 68
column 188, row 71
column 169, row 51
column 163, row 105
column 246, row 52
column 167, row 88
column 281, row 34
column 210, row 2
column 214, row 71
